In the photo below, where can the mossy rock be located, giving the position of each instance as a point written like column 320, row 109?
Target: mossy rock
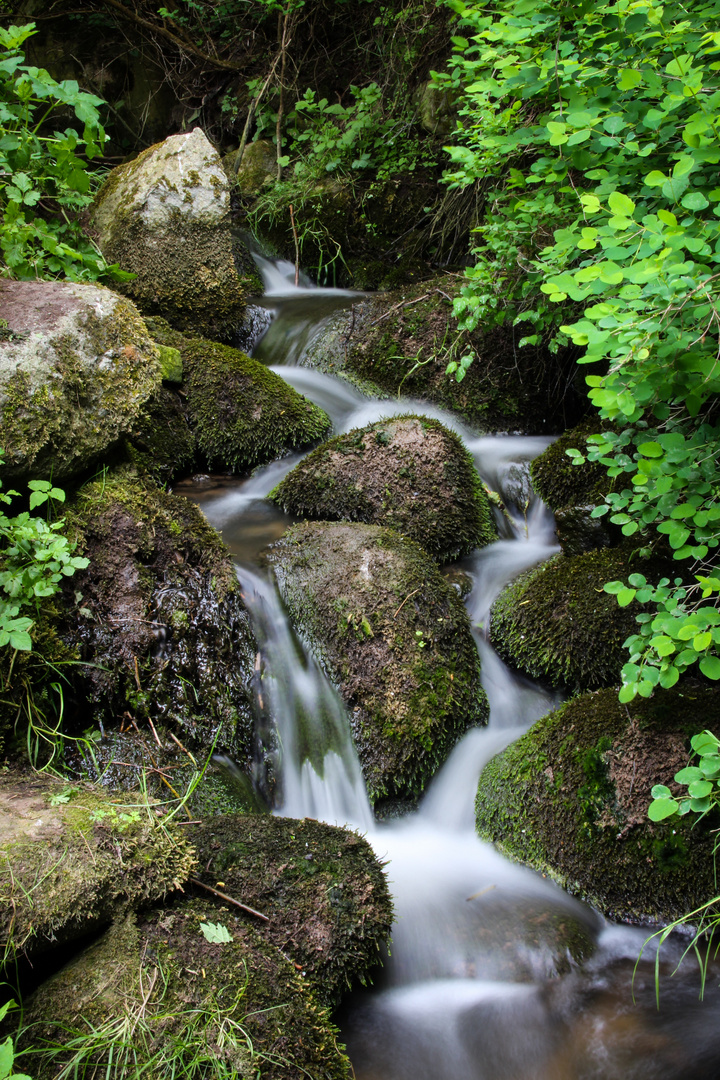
column 157, row 617
column 556, row 624
column 154, row 995
column 162, row 443
column 72, row 858
column 570, row 799
column 76, row 367
column 165, row 217
column 242, row 413
column 399, row 341
column 573, row 491
column 321, row 887
column 409, row 473
column 395, row 639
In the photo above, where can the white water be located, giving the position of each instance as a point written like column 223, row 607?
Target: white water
column 474, row 988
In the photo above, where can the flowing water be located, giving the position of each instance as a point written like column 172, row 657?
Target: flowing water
column 480, row 983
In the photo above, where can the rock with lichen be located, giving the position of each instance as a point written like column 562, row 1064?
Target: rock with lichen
column 76, row 367
column 202, row 984
column 570, row 799
column 165, row 217
column 410, row 473
column 394, row 637
column 157, row 619
column 72, row 857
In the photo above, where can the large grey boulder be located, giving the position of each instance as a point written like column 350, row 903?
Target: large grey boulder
column 165, row 217
column 76, row 366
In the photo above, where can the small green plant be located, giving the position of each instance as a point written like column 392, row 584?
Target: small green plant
column 7, row 1051
column 702, row 781
column 44, row 175
column 215, row 933
column 117, row 821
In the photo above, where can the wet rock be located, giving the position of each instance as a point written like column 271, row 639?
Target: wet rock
column 556, row 624
column 76, row 367
column 573, row 491
column 161, row 442
column 165, row 217
column 570, row 799
column 401, row 341
column 73, row 858
column 409, row 473
column 155, row 986
column 159, row 617
column 257, row 168
column 437, row 109
column 242, row 413
column 394, row 637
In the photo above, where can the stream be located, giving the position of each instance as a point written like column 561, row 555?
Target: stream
column 479, row 983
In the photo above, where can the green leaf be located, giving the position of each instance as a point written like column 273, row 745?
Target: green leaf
column 216, row 933
column 660, row 809
column 698, row 789
column 694, row 200
column 689, row 774
column 659, row 791
column 620, row 204
column 710, row 667
column 705, row 743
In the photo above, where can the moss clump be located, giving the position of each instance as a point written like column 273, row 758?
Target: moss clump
column 154, row 994
column 162, row 443
column 243, row 413
column 159, row 617
column 558, row 482
column 394, row 637
column 400, row 341
column 322, row 888
column 570, row 799
column 556, row 624
column 409, row 473
column 69, row 867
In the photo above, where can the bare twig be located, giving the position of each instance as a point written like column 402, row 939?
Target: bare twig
column 405, row 601
column 184, row 45
column 229, row 899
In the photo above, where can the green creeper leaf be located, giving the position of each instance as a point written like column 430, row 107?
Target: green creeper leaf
column 660, row 809
column 620, row 204
column 705, row 743
column 698, row 789
column 625, row 597
column 694, row 200
column 629, row 79
column 659, row 791
column 689, row 775
column 655, row 179
column 651, row 449
column 216, row 933
column 710, row 667
column 701, row 641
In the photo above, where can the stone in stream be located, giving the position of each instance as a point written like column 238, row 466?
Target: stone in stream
column 76, row 367
column 410, row 473
column 71, row 858
column 201, row 981
column 165, row 216
column 556, row 624
column 395, row 639
column 570, row 799
column 157, row 619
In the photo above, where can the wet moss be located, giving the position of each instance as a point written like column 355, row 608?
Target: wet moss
column 67, row 867
column 556, row 624
column 243, row 413
column 558, row 482
column 161, row 442
column 394, row 637
column 409, row 473
column 158, row 618
column 570, row 799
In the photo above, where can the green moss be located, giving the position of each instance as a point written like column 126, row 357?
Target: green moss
column 570, row 799
column 161, row 442
column 556, row 624
column 152, row 556
column 412, row 686
column 243, row 413
column 558, row 482
column 409, row 473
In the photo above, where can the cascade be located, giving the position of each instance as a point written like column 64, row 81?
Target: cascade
column 477, row 985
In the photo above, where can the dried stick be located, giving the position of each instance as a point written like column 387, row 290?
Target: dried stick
column 229, row 899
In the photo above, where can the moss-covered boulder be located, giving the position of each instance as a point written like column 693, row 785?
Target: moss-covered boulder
column 161, row 442
column 409, row 473
column 394, row 637
column 402, row 342
column 71, row 859
column 165, row 217
column 570, row 799
column 157, row 617
column 242, row 413
column 76, row 367
column 556, row 624
column 255, row 1003
column 573, row 491
column 257, row 169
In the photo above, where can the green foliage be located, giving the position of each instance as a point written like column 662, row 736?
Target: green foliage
column 34, row 558
column 596, row 127
column 44, row 176
column 7, row 1051
column 702, row 782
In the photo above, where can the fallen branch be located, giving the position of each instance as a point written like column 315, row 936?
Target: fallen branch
column 184, row 46
column 229, row 899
